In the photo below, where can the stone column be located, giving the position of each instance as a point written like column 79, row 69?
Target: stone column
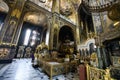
column 77, row 32
column 55, row 30
column 48, row 36
column 50, row 31
column 55, row 24
column 86, row 29
column 99, row 55
column 56, row 6
column 19, row 27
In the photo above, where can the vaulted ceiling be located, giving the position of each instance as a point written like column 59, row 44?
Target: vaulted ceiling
column 67, row 8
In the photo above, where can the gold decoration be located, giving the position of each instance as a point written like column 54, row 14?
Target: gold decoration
column 114, row 12
column 16, row 13
column 118, row 61
column 66, row 8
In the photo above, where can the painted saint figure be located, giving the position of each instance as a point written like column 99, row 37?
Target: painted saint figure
column 9, row 31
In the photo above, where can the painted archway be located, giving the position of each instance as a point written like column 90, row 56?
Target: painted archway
column 66, row 40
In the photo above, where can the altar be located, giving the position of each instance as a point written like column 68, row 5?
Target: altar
column 53, row 68
column 54, row 65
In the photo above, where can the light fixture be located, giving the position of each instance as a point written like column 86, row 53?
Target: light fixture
column 95, row 46
column 32, row 43
column 116, row 23
column 34, row 32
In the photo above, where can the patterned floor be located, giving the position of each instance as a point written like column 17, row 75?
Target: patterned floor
column 21, row 69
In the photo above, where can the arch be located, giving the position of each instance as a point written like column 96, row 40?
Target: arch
column 37, row 21
column 4, row 7
column 65, row 29
column 91, row 48
column 66, row 39
column 86, row 45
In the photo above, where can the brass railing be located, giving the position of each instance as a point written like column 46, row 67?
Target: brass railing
column 97, row 74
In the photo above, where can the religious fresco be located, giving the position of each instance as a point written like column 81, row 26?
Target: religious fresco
column 101, row 22
column 99, row 19
column 97, row 23
column 9, row 31
column 11, row 27
column 47, row 4
column 104, row 19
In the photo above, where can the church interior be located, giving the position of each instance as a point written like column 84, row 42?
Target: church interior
column 59, row 39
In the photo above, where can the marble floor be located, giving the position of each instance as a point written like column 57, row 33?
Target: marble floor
column 21, row 69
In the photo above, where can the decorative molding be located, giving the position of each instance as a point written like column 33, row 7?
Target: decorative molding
column 114, row 12
column 42, row 1
column 66, row 12
column 111, row 34
column 10, row 3
column 86, row 44
column 30, row 6
column 99, row 8
column 116, row 61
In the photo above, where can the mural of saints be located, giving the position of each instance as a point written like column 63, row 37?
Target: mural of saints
column 11, row 26
column 9, row 31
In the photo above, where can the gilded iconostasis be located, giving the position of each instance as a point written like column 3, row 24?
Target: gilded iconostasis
column 86, row 19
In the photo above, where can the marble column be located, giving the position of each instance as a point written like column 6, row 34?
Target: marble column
column 77, row 37
column 104, row 57
column 49, row 37
column 99, row 55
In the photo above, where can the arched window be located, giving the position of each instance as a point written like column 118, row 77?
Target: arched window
column 27, row 36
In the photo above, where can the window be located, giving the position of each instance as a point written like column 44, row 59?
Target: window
column 27, row 36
